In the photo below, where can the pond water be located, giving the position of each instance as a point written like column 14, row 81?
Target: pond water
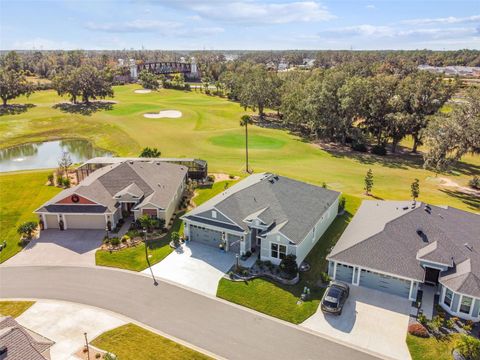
column 46, row 154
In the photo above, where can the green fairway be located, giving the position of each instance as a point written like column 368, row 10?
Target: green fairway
column 209, row 129
column 237, row 141
column 131, row 342
column 20, row 194
column 281, row 300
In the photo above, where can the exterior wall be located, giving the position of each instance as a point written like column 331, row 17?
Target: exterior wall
column 454, row 308
column 275, row 238
column 81, row 201
column 116, row 216
column 175, row 202
column 51, row 221
column 316, row 233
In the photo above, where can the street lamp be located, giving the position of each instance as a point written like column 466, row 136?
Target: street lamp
column 86, row 345
column 145, row 241
column 108, row 232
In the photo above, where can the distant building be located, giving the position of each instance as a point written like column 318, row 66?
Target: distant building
column 470, row 71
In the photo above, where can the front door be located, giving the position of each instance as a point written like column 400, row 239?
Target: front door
column 431, row 275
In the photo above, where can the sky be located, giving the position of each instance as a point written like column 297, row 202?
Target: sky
column 239, row 24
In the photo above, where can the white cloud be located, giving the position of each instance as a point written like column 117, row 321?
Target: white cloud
column 361, row 30
column 370, row 6
column 445, row 20
column 43, row 44
column 256, row 13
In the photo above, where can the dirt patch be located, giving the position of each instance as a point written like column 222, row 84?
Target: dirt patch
column 223, row 177
column 142, row 91
column 446, row 182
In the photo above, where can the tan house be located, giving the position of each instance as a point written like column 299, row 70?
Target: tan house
column 120, row 190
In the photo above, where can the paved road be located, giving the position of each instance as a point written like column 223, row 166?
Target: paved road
column 219, row 327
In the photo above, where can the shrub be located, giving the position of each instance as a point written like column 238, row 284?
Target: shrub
column 175, row 236
column 27, row 229
column 50, row 179
column 115, row 241
column 450, row 323
column 341, row 203
column 248, row 254
column 422, row 319
column 211, row 178
column 357, row 146
column 474, row 182
column 98, row 356
column 66, row 182
column 436, row 323
column 245, row 272
column 231, row 177
column 469, row 347
column 289, row 265
column 418, row 330
column 258, row 262
column 325, row 277
column 378, row 150
column 125, row 238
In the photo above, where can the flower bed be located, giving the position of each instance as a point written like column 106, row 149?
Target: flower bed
column 260, row 270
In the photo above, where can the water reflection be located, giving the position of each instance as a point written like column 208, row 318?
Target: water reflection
column 46, row 155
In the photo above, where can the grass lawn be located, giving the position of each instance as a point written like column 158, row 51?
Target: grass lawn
column 131, row 342
column 209, row 129
column 14, row 308
column 203, row 194
column 20, row 194
column 134, row 258
column 280, row 300
column 431, row 348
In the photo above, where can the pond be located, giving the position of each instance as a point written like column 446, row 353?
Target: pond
column 46, row 155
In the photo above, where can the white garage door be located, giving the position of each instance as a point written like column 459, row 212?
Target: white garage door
column 382, row 282
column 85, row 221
column 206, row 236
column 51, row 221
column 344, row 273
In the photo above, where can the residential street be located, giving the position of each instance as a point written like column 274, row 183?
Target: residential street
column 219, row 327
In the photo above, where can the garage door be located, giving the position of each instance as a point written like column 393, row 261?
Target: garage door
column 385, row 283
column 51, row 221
column 344, row 273
column 206, row 236
column 85, row 221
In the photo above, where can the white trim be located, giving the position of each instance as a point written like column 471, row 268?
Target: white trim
column 213, row 227
column 410, row 295
column 334, row 270
column 432, row 262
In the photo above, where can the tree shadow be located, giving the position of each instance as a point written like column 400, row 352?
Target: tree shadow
column 14, row 109
column 471, row 200
column 84, row 108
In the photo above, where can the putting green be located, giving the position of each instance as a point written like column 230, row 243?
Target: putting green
column 237, row 141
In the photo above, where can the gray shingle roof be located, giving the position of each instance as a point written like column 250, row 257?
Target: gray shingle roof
column 21, row 343
column 157, row 180
column 399, row 239
column 281, row 200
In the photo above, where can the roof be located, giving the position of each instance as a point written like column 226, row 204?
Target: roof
column 22, row 343
column 116, row 160
column 157, row 181
column 273, row 199
column 394, row 237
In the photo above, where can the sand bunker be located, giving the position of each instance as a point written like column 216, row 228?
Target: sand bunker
column 142, row 91
column 172, row 114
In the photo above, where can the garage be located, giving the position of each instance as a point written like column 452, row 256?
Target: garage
column 205, row 236
column 85, row 221
column 386, row 283
column 344, row 273
column 51, row 221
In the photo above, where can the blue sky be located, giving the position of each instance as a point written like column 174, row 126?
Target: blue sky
column 235, row 24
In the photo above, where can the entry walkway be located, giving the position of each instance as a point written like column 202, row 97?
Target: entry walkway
column 428, row 297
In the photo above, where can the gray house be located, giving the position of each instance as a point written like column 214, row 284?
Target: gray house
column 266, row 214
column 399, row 247
column 120, row 190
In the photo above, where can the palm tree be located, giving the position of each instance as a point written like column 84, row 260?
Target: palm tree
column 245, row 121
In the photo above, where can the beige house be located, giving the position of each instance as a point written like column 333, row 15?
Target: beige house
column 121, row 190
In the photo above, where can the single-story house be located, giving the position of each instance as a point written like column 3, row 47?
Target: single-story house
column 265, row 214
column 400, row 247
column 117, row 191
column 17, row 342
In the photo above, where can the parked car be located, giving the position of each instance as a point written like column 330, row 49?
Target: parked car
column 334, row 298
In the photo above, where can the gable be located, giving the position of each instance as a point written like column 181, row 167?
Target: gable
column 214, row 214
column 75, row 199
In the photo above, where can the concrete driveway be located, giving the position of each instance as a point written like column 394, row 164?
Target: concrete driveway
column 370, row 320
column 65, row 323
column 195, row 265
column 56, row 247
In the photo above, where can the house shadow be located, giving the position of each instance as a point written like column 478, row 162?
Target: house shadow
column 471, row 200
column 84, row 108
column 15, row 109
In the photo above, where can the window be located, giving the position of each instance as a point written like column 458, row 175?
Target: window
column 278, row 251
column 214, row 214
column 448, row 297
column 466, row 304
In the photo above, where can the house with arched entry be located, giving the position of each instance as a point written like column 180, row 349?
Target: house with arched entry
column 116, row 191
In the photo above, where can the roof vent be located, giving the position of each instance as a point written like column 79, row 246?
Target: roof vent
column 131, row 162
column 271, row 181
column 276, row 177
column 405, row 208
column 422, row 235
column 158, row 163
column 3, row 350
column 468, row 246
